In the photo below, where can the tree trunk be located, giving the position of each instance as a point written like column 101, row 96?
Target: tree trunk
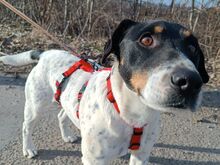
column 191, row 14
column 172, row 6
column 65, row 12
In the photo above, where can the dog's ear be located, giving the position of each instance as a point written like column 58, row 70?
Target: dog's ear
column 112, row 45
column 201, row 67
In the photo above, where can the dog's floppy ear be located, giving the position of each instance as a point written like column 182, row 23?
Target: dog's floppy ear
column 201, row 67
column 112, row 46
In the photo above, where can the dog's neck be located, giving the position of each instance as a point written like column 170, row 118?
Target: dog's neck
column 132, row 110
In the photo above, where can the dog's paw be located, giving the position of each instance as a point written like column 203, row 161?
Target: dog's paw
column 69, row 139
column 29, row 153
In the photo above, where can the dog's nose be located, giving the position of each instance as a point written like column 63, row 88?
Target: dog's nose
column 186, row 81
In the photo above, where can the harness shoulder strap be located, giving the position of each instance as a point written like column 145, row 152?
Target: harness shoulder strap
column 81, row 64
column 110, row 95
column 137, row 132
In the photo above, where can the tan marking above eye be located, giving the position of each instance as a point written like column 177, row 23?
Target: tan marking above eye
column 187, row 33
column 138, row 81
column 158, row 29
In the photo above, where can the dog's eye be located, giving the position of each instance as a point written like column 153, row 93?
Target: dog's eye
column 146, row 40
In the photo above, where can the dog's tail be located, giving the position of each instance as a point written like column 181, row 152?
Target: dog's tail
column 21, row 59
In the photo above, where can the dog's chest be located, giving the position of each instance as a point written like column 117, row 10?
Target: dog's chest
column 99, row 120
column 93, row 99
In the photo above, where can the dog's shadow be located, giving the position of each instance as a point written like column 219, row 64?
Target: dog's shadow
column 173, row 161
column 211, row 98
column 52, row 154
column 12, row 80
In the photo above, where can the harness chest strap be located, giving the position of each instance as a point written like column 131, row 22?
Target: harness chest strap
column 137, row 132
column 81, row 64
column 80, row 94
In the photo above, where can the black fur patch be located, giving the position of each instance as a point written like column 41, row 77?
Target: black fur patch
column 125, row 44
column 35, row 54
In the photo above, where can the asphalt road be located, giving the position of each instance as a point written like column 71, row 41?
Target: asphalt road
column 185, row 139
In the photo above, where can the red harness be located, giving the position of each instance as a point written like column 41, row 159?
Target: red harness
column 137, row 132
column 87, row 67
column 81, row 64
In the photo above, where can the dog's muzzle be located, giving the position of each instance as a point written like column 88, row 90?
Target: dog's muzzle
column 178, row 89
column 186, row 85
column 186, row 82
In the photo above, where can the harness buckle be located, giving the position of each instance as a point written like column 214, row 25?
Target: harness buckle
column 94, row 64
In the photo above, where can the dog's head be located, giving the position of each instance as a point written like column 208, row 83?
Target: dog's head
column 160, row 61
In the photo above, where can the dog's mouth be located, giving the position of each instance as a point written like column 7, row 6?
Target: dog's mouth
column 174, row 103
column 180, row 104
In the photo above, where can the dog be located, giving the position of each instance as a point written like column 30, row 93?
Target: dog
column 159, row 67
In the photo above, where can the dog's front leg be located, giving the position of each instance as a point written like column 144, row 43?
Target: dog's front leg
column 94, row 161
column 92, row 158
column 150, row 136
column 93, row 151
column 139, row 158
